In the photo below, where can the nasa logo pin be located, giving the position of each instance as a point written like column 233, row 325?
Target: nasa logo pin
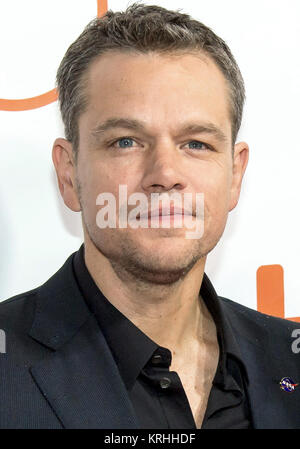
column 287, row 384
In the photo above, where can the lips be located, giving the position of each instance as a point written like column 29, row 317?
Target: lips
column 164, row 211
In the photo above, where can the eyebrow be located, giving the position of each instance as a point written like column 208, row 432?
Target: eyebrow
column 136, row 125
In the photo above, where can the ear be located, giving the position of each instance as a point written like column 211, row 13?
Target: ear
column 63, row 160
column 240, row 161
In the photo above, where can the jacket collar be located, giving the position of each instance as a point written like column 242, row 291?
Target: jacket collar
column 60, row 308
column 79, row 377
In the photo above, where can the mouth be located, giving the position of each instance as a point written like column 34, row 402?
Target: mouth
column 164, row 212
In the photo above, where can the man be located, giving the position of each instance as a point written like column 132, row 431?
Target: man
column 130, row 333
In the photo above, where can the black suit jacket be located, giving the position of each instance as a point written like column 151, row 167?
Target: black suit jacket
column 58, row 371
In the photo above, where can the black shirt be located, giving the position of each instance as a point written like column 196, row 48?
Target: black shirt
column 156, row 393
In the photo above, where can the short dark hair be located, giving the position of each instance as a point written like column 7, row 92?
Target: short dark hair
column 141, row 29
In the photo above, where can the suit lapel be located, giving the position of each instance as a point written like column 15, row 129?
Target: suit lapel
column 271, row 407
column 82, row 383
column 79, row 378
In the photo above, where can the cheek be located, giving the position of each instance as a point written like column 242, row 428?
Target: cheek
column 98, row 180
column 216, row 189
column 95, row 179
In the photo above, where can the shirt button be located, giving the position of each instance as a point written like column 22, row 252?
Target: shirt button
column 157, row 358
column 165, row 382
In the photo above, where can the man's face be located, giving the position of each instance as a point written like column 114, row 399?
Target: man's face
column 165, row 94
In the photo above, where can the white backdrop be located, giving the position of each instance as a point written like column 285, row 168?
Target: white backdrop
column 38, row 232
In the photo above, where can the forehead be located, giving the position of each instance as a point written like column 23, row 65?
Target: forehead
column 157, row 88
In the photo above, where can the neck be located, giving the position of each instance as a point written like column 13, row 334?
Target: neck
column 172, row 315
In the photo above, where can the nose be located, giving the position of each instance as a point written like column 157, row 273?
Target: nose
column 164, row 170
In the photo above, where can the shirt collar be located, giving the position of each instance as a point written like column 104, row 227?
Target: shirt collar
column 230, row 354
column 132, row 348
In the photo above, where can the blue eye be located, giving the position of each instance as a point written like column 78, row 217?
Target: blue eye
column 200, row 145
column 125, row 141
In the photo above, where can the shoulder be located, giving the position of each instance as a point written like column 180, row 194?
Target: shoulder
column 16, row 318
column 17, row 312
column 251, row 320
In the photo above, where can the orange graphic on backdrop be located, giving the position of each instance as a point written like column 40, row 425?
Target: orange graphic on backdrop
column 270, row 291
column 25, row 104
